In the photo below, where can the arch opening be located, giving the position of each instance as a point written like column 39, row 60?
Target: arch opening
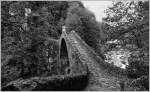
column 64, row 57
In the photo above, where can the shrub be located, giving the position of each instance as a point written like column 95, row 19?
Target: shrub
column 138, row 69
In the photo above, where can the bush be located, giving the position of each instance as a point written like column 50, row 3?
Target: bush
column 138, row 69
column 141, row 83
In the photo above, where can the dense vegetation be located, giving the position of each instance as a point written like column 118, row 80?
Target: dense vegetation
column 30, row 31
column 29, row 38
column 129, row 23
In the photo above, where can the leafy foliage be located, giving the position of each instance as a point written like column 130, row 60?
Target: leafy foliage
column 30, row 33
column 84, row 23
column 128, row 21
column 138, row 68
column 29, row 38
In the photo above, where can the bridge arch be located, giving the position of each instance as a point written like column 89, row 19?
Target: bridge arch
column 64, row 56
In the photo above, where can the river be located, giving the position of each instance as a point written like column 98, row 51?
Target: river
column 118, row 57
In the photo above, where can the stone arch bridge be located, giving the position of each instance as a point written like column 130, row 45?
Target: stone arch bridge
column 82, row 59
column 79, row 68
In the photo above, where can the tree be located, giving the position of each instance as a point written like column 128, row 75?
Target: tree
column 26, row 38
column 84, row 23
column 129, row 21
column 128, row 18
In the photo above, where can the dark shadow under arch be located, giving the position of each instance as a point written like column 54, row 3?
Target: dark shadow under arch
column 64, row 58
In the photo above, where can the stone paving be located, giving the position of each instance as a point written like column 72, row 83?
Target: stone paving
column 99, row 79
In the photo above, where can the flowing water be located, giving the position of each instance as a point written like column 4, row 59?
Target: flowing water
column 118, row 57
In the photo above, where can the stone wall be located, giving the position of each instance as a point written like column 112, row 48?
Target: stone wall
column 53, row 83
